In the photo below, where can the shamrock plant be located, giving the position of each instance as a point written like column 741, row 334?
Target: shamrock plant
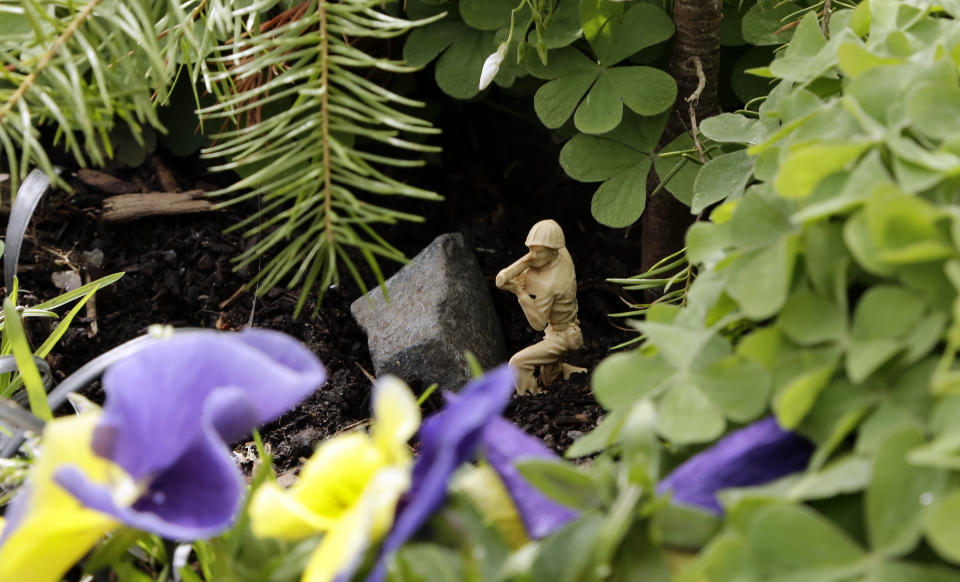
column 826, row 292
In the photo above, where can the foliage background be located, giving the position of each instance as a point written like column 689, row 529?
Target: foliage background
column 821, row 284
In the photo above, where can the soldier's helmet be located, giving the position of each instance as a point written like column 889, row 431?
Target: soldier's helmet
column 546, row 233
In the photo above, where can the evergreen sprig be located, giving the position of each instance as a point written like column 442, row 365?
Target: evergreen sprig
column 309, row 132
column 82, row 68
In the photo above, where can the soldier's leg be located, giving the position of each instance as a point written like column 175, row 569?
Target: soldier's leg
column 544, row 353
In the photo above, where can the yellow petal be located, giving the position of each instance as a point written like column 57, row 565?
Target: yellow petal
column 485, row 489
column 276, row 513
column 330, row 483
column 333, row 479
column 55, row 530
column 343, row 546
column 396, row 417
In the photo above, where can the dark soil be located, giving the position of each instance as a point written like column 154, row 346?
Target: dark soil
column 499, row 173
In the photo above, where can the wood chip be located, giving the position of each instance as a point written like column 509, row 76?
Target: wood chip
column 105, row 182
column 133, row 206
column 167, row 180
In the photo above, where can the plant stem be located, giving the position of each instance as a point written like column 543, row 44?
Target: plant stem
column 325, row 124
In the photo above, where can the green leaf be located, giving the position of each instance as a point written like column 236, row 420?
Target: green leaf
column 827, row 261
column 856, row 235
column 562, row 556
column 886, row 311
column 905, row 228
column 684, row 526
column 855, row 59
column 733, row 128
column 763, row 20
column 847, row 474
column 808, row 40
column 615, row 35
column 896, row 500
column 723, row 177
column 556, row 101
column 942, row 526
column 759, row 220
column 427, row 563
column 807, row 373
column 560, row 481
column 913, row 572
column 935, row 110
column 487, row 14
column 601, row 110
column 738, row 385
column 642, row 26
column 598, row 19
column 425, row 44
column 590, row 158
column 788, row 541
column 684, row 347
column 686, row 415
column 805, row 166
column 623, row 378
column 458, row 68
column 563, row 27
column 645, row 90
column 706, row 242
column 566, row 62
column 619, row 202
column 606, row 433
column 759, row 280
column 809, row 319
column 13, row 329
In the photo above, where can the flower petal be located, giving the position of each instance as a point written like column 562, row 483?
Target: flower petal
column 330, row 483
column 756, row 454
column 396, row 417
column 448, row 439
column 504, row 444
column 341, row 550
column 153, row 397
column 47, row 530
column 196, row 497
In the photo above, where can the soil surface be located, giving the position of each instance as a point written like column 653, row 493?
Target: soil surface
column 499, row 173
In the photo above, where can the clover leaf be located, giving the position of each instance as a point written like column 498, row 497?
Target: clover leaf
column 620, row 159
column 461, row 42
column 592, row 89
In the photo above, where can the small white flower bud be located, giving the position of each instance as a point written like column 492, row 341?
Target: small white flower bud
column 491, row 66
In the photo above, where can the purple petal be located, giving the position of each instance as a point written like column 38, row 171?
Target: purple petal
column 448, row 439
column 196, row 497
column 505, row 443
column 16, row 511
column 756, row 454
column 169, row 410
column 154, row 397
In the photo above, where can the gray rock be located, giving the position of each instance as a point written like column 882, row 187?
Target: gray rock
column 439, row 306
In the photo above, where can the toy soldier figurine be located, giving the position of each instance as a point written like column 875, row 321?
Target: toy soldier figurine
column 546, row 287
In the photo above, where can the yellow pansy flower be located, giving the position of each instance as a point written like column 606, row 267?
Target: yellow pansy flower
column 348, row 489
column 47, row 530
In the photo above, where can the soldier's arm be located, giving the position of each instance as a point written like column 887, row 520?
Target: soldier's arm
column 536, row 309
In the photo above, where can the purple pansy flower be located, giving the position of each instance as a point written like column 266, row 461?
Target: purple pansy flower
column 505, row 443
column 448, row 439
column 756, row 454
column 170, row 410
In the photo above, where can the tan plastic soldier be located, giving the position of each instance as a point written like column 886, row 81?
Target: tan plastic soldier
column 546, row 287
